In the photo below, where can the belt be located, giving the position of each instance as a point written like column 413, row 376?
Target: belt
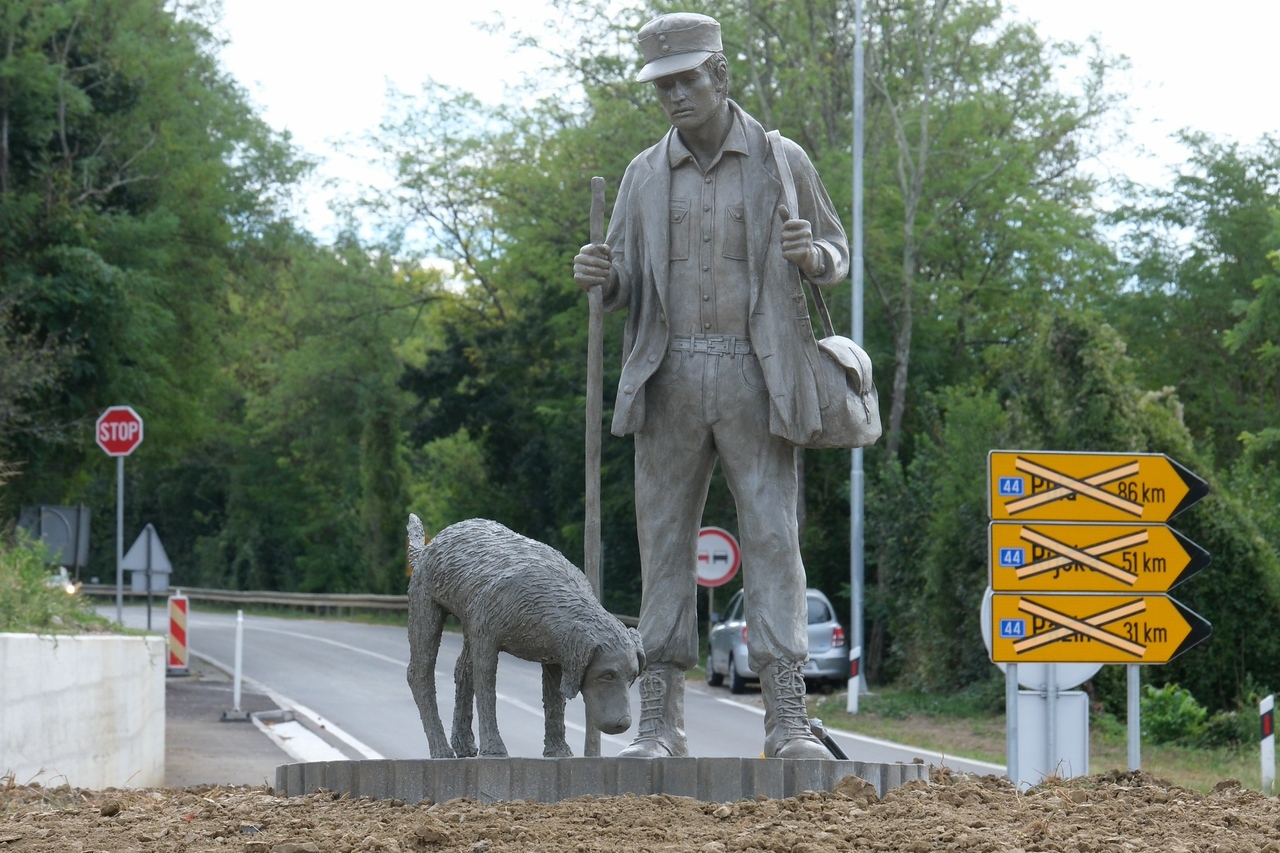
column 729, row 345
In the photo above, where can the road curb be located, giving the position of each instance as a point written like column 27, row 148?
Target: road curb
column 550, row 780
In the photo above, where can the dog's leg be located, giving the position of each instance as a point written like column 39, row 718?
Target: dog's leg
column 464, row 742
column 426, row 623
column 484, row 670
column 554, row 744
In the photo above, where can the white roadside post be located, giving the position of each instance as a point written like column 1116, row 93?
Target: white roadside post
column 1267, row 713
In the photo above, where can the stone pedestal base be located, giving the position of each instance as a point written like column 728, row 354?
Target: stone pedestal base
column 549, row 780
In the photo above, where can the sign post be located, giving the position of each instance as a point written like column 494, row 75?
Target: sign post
column 1081, row 561
column 119, row 432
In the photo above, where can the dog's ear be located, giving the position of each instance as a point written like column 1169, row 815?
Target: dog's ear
column 638, row 642
column 574, row 668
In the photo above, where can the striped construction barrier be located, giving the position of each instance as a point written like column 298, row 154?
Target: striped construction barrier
column 178, row 634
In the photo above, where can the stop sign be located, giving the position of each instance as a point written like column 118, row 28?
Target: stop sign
column 119, row 431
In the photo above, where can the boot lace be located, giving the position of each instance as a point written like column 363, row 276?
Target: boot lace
column 791, row 713
column 652, row 691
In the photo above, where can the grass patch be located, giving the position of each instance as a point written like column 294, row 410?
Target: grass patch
column 31, row 599
column 967, row 726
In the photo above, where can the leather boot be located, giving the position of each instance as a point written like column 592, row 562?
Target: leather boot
column 786, row 720
column 660, row 732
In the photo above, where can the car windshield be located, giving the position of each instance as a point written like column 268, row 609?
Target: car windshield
column 818, row 611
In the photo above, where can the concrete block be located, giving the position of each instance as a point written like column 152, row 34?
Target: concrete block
column 633, row 776
column 450, row 778
column 719, row 780
column 581, row 777
column 763, row 777
column 295, row 779
column 536, row 779
column 493, row 779
column 408, row 779
column 676, row 776
column 338, row 776
column 805, row 774
column 374, row 778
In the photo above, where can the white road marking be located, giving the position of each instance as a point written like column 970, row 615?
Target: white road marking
column 300, row 710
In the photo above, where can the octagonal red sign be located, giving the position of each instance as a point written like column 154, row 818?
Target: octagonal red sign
column 119, row 431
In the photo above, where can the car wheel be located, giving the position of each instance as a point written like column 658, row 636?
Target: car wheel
column 714, row 679
column 737, row 684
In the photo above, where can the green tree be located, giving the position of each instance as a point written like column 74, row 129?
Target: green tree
column 1199, row 309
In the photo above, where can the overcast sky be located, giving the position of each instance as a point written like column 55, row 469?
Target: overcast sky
column 321, row 69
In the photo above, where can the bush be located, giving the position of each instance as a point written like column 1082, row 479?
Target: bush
column 29, row 602
column 1171, row 714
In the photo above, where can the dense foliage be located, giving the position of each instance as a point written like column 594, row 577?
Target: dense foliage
column 32, row 600
column 301, row 398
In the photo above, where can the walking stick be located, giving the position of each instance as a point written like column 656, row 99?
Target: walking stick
column 595, row 402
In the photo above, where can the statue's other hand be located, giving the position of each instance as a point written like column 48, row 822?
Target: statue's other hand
column 798, row 246
column 593, row 265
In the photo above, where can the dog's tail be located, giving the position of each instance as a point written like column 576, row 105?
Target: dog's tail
column 417, row 541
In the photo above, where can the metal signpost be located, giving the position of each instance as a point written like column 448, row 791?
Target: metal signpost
column 1081, row 563
column 147, row 555
column 119, row 432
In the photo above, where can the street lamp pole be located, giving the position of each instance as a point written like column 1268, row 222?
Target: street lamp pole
column 857, row 680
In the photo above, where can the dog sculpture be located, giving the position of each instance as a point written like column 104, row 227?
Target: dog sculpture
column 513, row 595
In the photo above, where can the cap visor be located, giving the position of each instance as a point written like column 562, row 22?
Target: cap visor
column 664, row 66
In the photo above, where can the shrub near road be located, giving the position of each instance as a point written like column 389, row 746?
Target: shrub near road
column 30, row 600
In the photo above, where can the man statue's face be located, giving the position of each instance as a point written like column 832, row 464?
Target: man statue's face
column 691, row 98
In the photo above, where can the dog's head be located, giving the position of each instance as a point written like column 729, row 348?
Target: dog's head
column 606, row 680
column 620, row 658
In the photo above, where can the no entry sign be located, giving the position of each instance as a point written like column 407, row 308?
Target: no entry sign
column 119, row 431
column 718, row 556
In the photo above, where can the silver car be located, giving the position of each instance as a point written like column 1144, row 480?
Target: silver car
column 727, row 647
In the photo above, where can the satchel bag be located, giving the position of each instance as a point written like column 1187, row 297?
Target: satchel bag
column 850, row 405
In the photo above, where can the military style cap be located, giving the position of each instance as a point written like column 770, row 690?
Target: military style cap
column 677, row 42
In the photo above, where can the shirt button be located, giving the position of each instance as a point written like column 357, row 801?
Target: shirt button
column 706, row 325
column 706, row 297
column 708, row 179
column 706, row 239
column 706, row 269
column 628, row 390
column 706, row 207
column 652, row 359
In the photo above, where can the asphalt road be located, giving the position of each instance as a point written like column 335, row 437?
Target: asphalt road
column 350, row 678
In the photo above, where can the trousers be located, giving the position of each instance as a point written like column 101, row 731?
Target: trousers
column 701, row 408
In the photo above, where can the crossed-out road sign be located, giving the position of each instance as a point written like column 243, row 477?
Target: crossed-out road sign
column 1092, row 628
column 1058, row 557
column 1112, row 487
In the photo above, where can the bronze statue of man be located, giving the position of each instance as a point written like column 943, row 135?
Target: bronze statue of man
column 719, row 363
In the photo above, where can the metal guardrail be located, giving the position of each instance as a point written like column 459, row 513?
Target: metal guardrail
column 316, row 602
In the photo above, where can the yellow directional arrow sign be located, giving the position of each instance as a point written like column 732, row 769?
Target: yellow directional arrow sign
column 1057, row 557
column 1092, row 629
column 1108, row 487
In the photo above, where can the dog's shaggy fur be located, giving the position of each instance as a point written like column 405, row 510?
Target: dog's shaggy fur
column 522, row 597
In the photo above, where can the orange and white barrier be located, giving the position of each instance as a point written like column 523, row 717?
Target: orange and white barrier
column 178, row 634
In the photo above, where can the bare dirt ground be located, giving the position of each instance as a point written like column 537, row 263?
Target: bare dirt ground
column 1114, row 812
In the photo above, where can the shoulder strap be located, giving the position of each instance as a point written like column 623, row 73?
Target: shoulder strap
column 789, row 195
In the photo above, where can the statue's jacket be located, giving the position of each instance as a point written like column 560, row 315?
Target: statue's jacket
column 779, row 324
